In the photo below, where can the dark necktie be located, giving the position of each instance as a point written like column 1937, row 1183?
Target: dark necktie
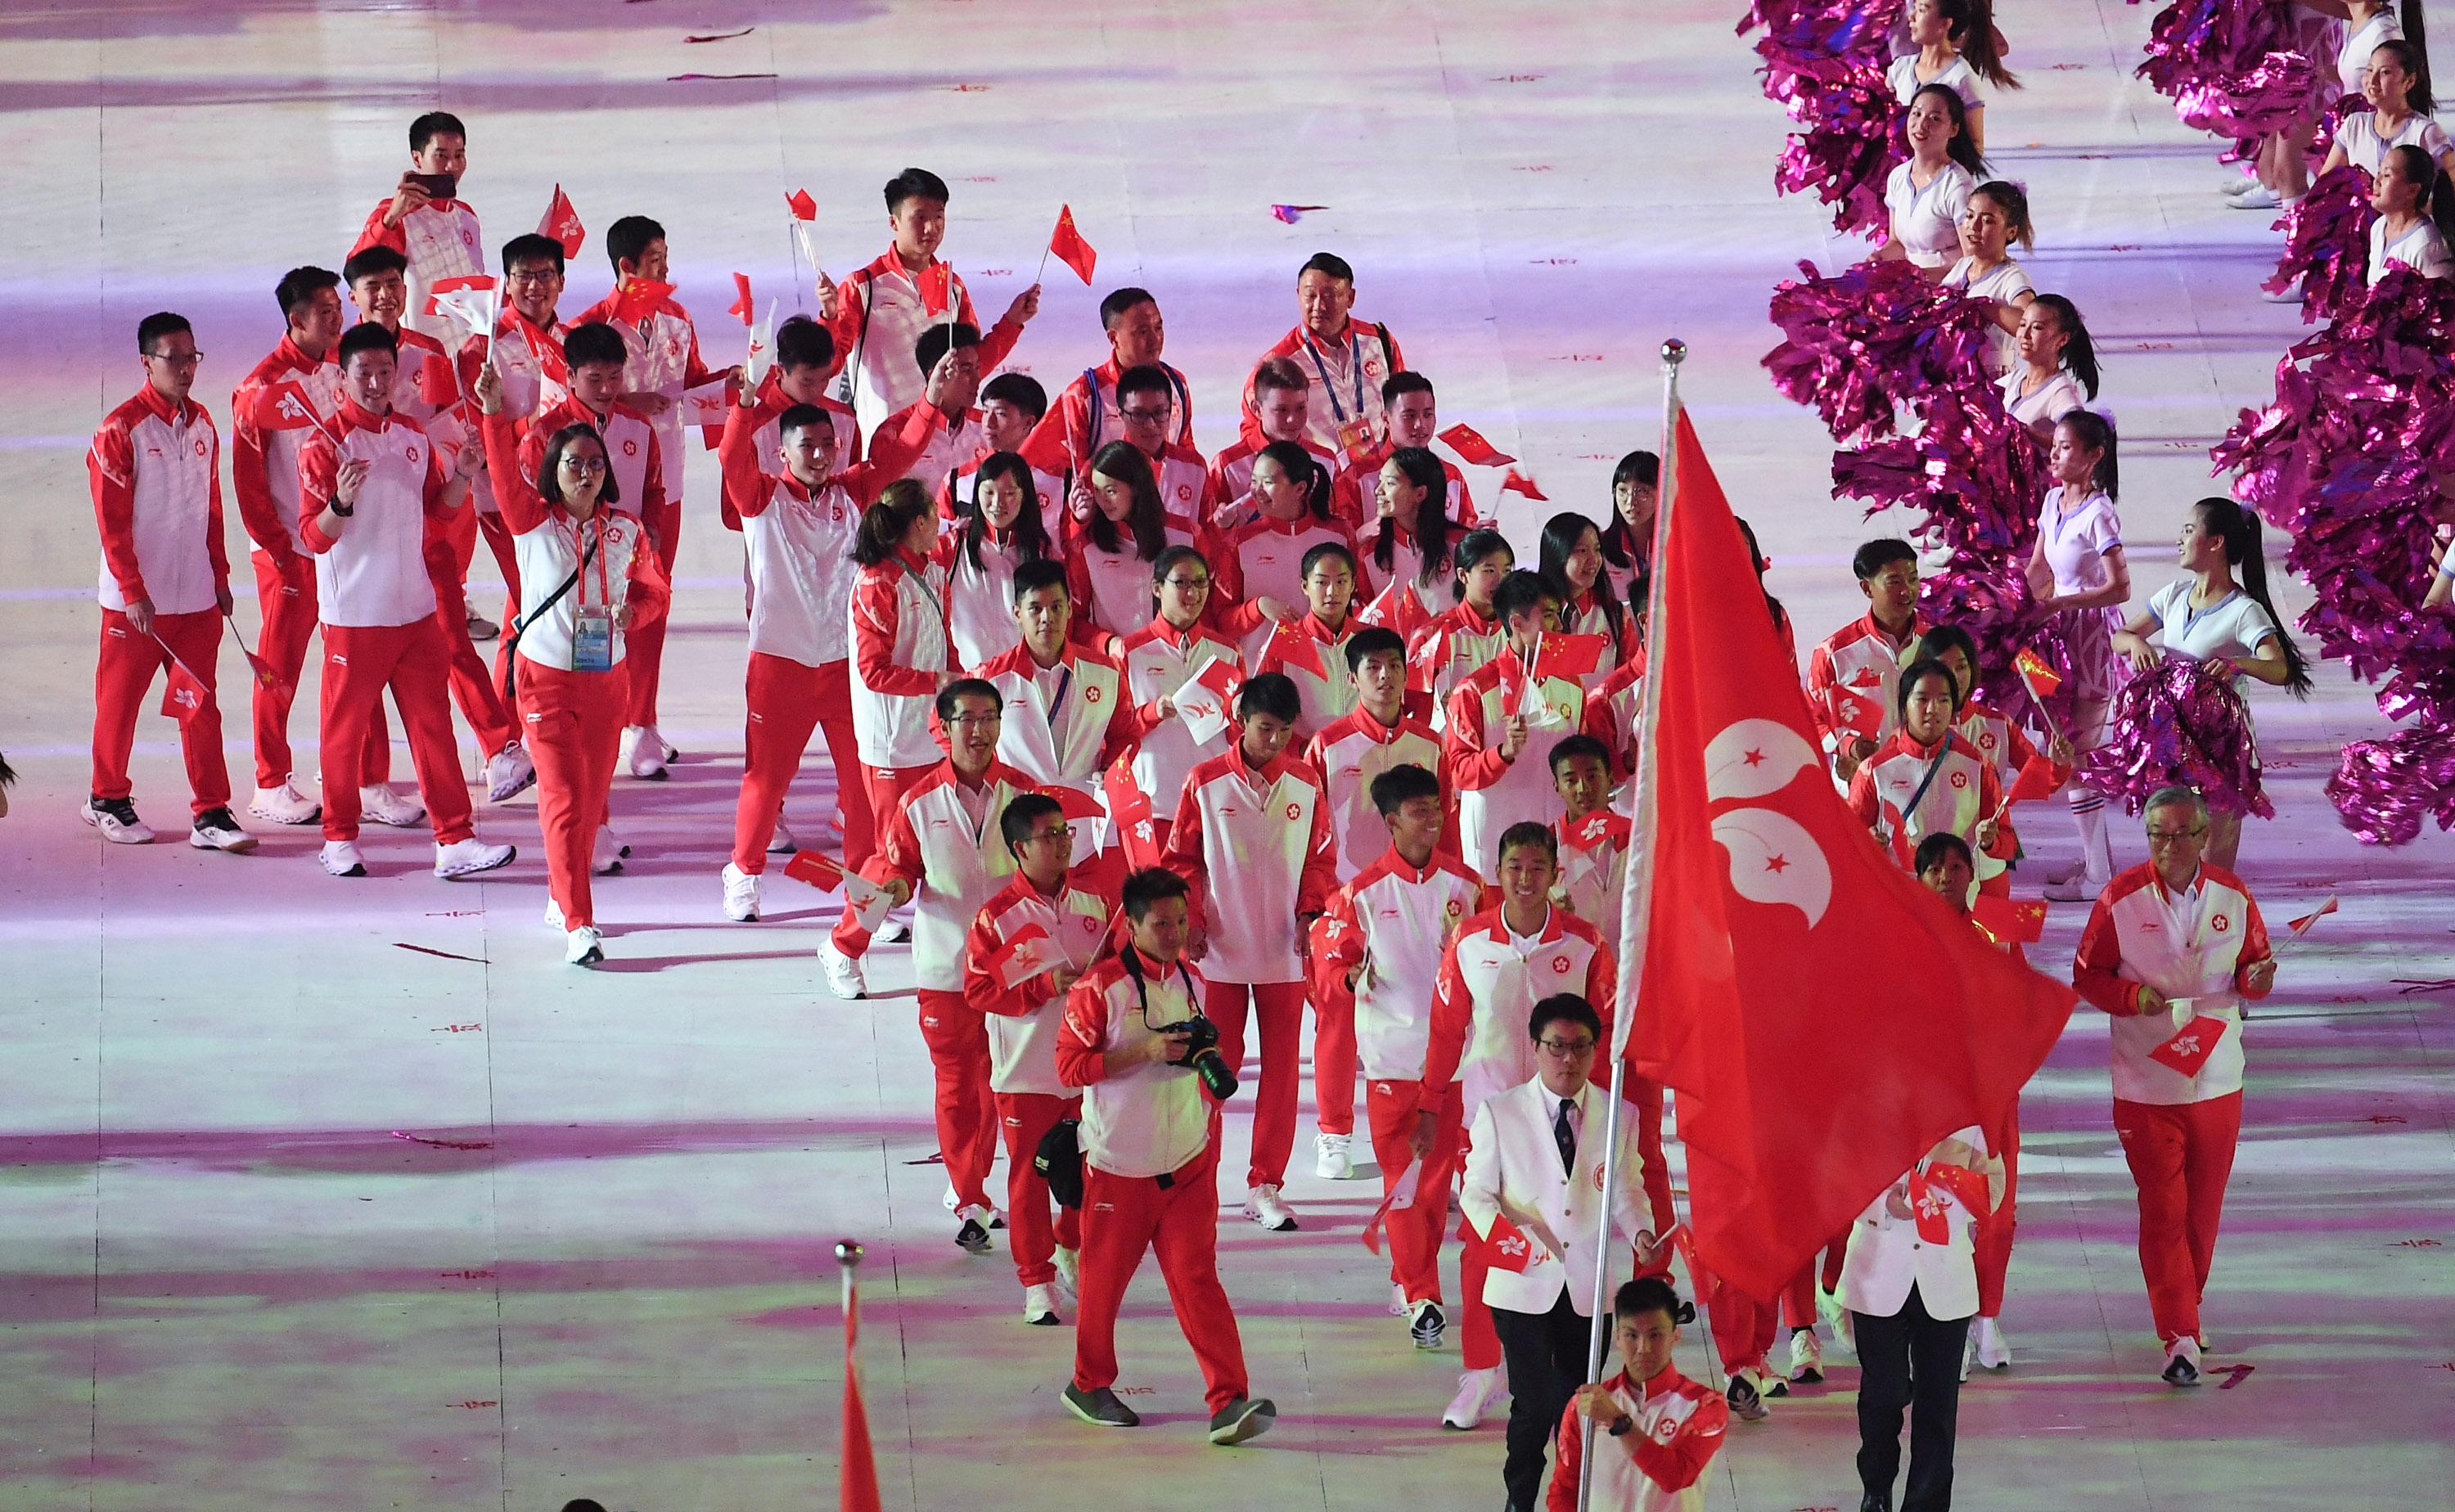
column 1566, row 1138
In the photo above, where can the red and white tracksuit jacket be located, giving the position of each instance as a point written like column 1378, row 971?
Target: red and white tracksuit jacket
column 1446, row 650
column 1229, row 479
column 899, row 647
column 1594, row 867
column 441, row 240
column 1064, row 724
column 663, row 358
column 766, row 445
column 954, row 440
column 1397, row 600
column 1485, row 995
column 1255, row 846
column 376, row 572
column 528, row 360
column 1493, row 791
column 979, row 600
column 1962, row 795
column 1085, row 418
column 1153, row 1119
column 1660, row 1464
column 1348, row 752
column 1615, row 710
column 1159, row 658
column 955, row 495
column 880, row 315
column 1356, row 495
column 943, row 842
column 264, row 462
column 622, row 571
column 1264, row 556
column 155, row 473
column 1586, row 616
column 2003, row 743
column 1327, row 694
column 1345, row 401
column 1112, row 590
column 633, row 452
column 1862, row 657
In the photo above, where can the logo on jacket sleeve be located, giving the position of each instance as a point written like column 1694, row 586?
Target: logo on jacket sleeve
column 1960, row 779
column 2220, row 924
column 1295, row 809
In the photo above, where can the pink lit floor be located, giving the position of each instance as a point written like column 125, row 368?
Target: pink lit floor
column 290, row 1216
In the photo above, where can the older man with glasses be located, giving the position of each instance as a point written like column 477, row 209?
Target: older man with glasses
column 2172, row 950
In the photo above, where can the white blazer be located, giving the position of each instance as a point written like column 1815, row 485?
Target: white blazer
column 1512, row 1167
column 1886, row 1257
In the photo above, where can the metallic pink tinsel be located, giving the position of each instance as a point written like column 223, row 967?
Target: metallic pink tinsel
column 2384, row 789
column 1866, row 342
column 2266, row 98
column 2193, row 44
column 2179, row 725
column 2327, row 245
column 1824, row 64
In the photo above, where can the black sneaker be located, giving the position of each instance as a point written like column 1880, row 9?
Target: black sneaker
column 217, row 830
column 973, row 1236
column 1428, row 1324
column 1100, row 1407
column 1744, row 1403
column 2180, row 1371
column 1686, row 1315
column 1244, row 1418
column 1875, row 1501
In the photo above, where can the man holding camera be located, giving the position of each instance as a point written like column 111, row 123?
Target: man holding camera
column 1150, row 1159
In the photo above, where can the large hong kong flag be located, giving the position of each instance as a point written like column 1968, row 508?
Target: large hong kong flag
column 1774, row 945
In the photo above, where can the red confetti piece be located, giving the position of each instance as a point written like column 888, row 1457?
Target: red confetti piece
column 1514, row 78
column 457, row 913
column 466, row 1275
column 966, row 88
column 1551, row 262
column 1531, row 167
column 2233, row 1376
column 475, row 1404
column 2416, row 1244
column 2384, row 1118
column 457, row 1029
column 685, row 78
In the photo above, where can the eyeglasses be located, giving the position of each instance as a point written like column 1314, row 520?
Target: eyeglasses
column 1567, row 1049
column 1144, row 417
column 1186, row 585
column 2170, row 836
column 583, row 464
column 977, row 718
column 1063, row 832
column 531, row 275
column 188, row 361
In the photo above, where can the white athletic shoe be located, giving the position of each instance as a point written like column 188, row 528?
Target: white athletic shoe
column 1069, row 1270
column 843, row 973
column 554, row 919
column 664, row 748
column 1264, row 1206
column 583, row 946
column 622, row 846
column 380, row 804
column 509, row 773
column 1040, row 1305
column 741, row 895
column 2291, row 294
column 1330, row 1160
column 892, row 932
column 2260, row 197
column 1987, row 1343
column 643, row 754
column 341, row 858
column 2182, row 1362
column 1806, row 1359
column 470, row 856
column 1425, row 1324
column 1836, row 1319
column 116, row 819
column 606, row 854
column 782, row 841
column 2082, row 888
column 1477, row 1390
column 1398, row 1304
column 215, row 830
column 285, row 805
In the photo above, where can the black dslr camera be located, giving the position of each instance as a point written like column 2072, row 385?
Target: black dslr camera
column 1201, row 1054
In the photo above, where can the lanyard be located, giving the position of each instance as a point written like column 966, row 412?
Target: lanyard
column 586, row 541
column 1355, row 367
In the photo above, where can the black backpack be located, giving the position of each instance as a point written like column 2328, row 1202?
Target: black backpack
column 1058, row 1160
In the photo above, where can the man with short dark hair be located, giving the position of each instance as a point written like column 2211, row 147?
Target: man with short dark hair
column 426, row 221
column 950, row 354
column 526, row 354
column 1145, row 399
column 1085, row 417
column 1150, row 1161
column 1655, row 1431
column 154, row 468
column 1410, row 416
column 1275, row 410
column 1863, row 659
column 1346, row 359
column 1012, row 405
column 1069, row 715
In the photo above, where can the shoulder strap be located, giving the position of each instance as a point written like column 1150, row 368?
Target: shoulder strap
column 511, row 637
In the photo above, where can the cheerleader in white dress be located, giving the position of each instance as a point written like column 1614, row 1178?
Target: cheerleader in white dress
column 2076, row 573
column 1997, row 217
column 2058, row 368
column 2416, row 208
column 1927, row 194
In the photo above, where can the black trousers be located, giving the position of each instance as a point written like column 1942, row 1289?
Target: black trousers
column 1545, row 1353
column 1910, row 1360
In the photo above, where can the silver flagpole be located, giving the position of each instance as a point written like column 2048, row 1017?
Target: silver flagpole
column 1636, row 898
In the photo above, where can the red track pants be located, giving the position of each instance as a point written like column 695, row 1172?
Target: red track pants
column 786, row 701
column 644, row 648
column 123, row 674
column 1799, row 1298
column 1026, row 1118
column 2182, row 1155
column 574, row 724
column 286, row 604
column 885, row 787
column 1333, row 1072
column 1412, row 1235
column 359, row 662
column 1280, row 1006
column 1743, row 1327
column 958, row 1038
column 1177, row 1215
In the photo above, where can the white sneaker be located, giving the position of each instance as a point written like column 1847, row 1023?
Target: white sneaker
column 893, row 932
column 643, row 754
column 614, row 837
column 215, row 830
column 606, row 854
column 2291, row 294
column 1398, row 1304
column 2079, row 889
column 470, row 856
column 554, row 919
column 1806, row 1358
column 1836, row 1319
column 116, row 819
column 1040, row 1305
column 664, row 748
column 1330, row 1160
column 1069, row 1270
column 583, row 946
column 1426, row 1324
column 1987, row 1343
column 2182, row 1362
column 843, row 973
column 782, row 843
column 741, row 895
column 285, row 805
column 341, row 858
column 1264, row 1206
column 509, row 773
column 2069, row 871
column 380, row 804
column 1477, row 1390
column 2260, row 197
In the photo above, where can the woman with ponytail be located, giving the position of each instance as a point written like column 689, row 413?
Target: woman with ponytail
column 2416, row 208
column 1570, row 558
column 2056, row 372
column 1926, row 194
column 1410, row 552
column 2396, row 87
column 2179, row 727
column 1001, row 529
column 1446, row 648
column 1996, row 218
column 2078, row 574
column 1956, row 45
column 1264, row 558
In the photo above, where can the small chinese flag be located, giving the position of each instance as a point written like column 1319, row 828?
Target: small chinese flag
column 183, row 695
column 561, row 222
column 2041, row 679
column 284, row 406
column 2014, row 920
column 436, row 383
column 1074, row 803
column 1513, row 481
column 638, row 299
column 741, row 307
column 2036, row 780
column 1465, row 443
column 1069, row 248
column 1291, row 647
column 1569, row 657
column 937, row 283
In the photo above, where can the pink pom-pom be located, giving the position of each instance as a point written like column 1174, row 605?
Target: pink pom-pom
column 2383, row 790
column 2180, row 725
column 2327, row 245
column 2268, row 97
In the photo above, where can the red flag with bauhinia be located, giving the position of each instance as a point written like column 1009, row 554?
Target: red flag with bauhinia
column 1069, row 248
column 284, row 406
column 184, row 694
column 1773, row 945
column 857, row 1483
column 561, row 222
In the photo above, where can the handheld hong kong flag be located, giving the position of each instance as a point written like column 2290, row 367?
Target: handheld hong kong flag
column 856, row 1476
column 1513, row 481
column 2013, row 920
column 2189, row 1050
column 1601, row 827
column 763, row 347
column 819, row 870
column 1856, row 713
column 1130, row 807
column 638, row 298
column 1761, row 919
column 1069, row 248
column 1025, row 955
column 2302, row 926
column 937, row 285
column 1291, row 647
column 741, row 308
column 1506, row 1249
column 561, row 222
column 1928, row 1208
column 184, row 694
column 1400, row 1198
column 801, row 205
column 2036, row 675
column 468, row 301
column 1426, row 660
column 1205, row 702
column 283, row 406
column 1465, row 443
